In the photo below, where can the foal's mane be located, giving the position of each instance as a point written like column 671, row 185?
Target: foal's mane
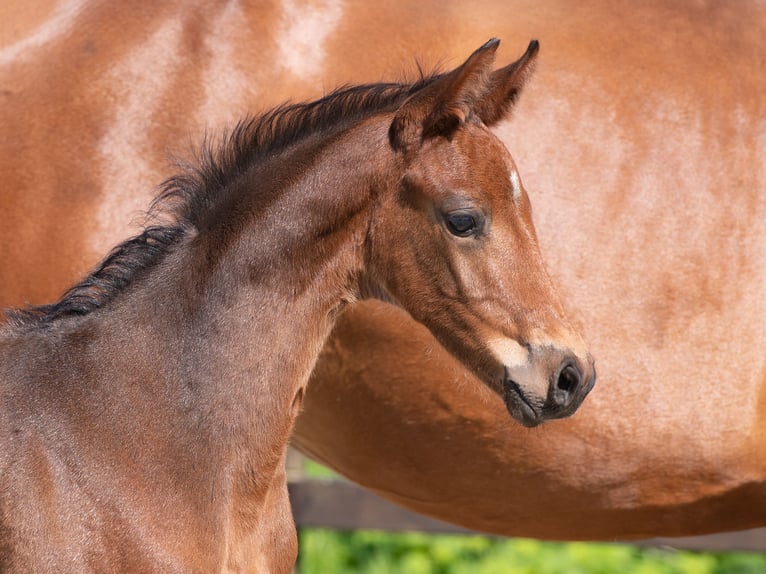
column 183, row 199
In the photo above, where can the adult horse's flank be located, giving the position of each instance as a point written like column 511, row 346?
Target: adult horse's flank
column 145, row 415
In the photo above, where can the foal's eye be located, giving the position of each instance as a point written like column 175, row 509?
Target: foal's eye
column 462, row 224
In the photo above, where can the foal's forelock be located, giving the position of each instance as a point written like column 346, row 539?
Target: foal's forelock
column 184, row 199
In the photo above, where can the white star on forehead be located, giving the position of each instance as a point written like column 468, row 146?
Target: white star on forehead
column 513, row 176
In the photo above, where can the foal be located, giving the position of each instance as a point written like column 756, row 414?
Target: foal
column 144, row 417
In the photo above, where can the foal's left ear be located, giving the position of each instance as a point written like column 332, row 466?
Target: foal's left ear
column 505, row 86
column 440, row 108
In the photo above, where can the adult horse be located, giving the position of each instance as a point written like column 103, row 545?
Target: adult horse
column 195, row 339
column 641, row 139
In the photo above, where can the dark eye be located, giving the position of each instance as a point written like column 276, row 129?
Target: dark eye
column 462, row 224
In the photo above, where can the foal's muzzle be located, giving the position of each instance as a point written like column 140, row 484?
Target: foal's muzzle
column 568, row 386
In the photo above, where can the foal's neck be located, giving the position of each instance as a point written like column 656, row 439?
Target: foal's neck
column 244, row 303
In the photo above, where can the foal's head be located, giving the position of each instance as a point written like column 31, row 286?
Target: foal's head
column 454, row 244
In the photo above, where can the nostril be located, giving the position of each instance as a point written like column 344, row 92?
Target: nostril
column 568, row 387
column 569, row 379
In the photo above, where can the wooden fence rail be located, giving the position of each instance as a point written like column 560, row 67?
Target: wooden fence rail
column 344, row 506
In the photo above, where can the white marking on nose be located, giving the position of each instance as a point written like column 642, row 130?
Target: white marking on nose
column 304, row 31
column 509, row 352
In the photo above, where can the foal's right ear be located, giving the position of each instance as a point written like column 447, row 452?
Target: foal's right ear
column 505, row 86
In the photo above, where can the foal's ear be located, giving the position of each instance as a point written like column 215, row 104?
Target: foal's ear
column 505, row 86
column 440, row 108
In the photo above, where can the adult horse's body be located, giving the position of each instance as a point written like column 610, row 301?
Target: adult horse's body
column 642, row 139
column 145, row 416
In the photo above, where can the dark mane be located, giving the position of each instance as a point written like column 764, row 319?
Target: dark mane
column 253, row 138
column 115, row 272
column 183, row 199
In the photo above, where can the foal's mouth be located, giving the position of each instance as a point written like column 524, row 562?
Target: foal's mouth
column 518, row 405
